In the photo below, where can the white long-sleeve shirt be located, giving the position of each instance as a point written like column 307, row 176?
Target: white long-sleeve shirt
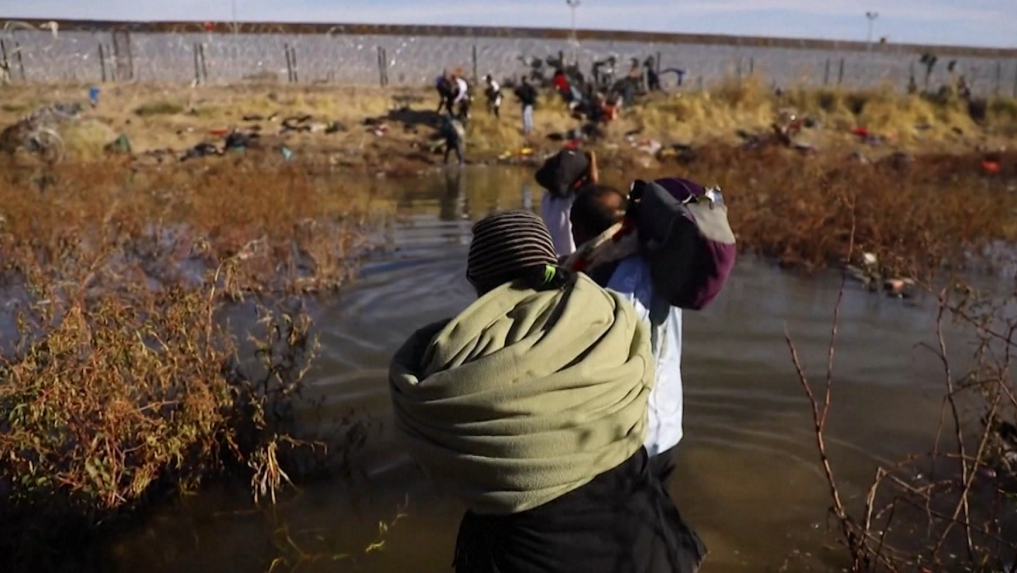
column 555, row 212
column 462, row 89
column 631, row 279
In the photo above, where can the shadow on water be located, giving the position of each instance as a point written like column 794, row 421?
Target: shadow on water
column 747, row 475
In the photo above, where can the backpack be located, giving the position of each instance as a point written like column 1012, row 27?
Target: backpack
column 685, row 238
column 562, row 171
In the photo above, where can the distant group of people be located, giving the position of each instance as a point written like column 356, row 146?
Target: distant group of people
column 455, row 99
column 595, row 102
column 454, row 94
column 552, row 405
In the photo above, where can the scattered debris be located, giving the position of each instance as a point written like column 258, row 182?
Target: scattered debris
column 121, row 144
column 859, row 157
column 239, row 141
column 898, row 160
column 803, row 147
column 298, row 123
column 903, row 288
column 203, row 149
column 682, row 152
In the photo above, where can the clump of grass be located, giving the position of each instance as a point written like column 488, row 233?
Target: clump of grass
column 110, row 400
column 740, row 93
column 282, row 226
column 487, row 133
column 1003, row 110
column 803, row 211
column 156, row 108
column 85, row 140
column 121, row 384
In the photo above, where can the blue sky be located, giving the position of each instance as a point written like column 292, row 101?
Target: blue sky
column 968, row 22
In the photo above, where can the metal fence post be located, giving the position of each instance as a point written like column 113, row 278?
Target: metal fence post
column 3, row 53
column 296, row 67
column 102, row 62
column 289, row 64
column 840, row 73
column 204, row 64
column 826, row 73
column 382, row 66
column 476, row 77
column 999, row 77
column 124, row 54
column 197, row 64
column 752, row 66
column 21, row 61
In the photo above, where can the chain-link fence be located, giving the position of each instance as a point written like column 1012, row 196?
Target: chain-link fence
column 192, row 52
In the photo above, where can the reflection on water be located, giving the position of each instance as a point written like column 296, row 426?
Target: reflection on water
column 747, row 476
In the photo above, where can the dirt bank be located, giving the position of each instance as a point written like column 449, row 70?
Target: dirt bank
column 391, row 131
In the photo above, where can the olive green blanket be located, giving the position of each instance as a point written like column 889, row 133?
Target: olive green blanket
column 526, row 395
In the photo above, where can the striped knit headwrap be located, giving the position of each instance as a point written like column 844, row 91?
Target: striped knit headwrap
column 506, row 246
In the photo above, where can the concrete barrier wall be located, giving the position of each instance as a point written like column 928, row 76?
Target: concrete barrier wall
column 166, row 52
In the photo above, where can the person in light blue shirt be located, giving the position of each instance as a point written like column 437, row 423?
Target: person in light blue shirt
column 595, row 209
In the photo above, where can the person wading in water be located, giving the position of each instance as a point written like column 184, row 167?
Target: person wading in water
column 530, row 408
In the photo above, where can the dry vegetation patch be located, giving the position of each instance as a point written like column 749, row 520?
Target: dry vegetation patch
column 119, row 382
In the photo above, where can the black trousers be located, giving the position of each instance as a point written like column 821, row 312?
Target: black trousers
column 455, row 145
column 662, row 465
column 621, row 522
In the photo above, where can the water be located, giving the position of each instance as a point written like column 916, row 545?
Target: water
column 747, row 475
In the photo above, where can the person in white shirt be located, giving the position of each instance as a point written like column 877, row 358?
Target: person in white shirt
column 462, row 97
column 494, row 97
column 555, row 213
column 594, row 210
column 556, row 206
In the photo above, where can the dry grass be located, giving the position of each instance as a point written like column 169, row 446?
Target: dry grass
column 120, row 382
column 801, row 210
column 159, row 108
column 911, row 122
column 158, row 116
column 85, row 140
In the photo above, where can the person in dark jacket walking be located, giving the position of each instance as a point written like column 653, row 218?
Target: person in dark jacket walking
column 446, row 92
column 527, row 96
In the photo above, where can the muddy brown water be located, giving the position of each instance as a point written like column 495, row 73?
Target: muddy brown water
column 747, row 477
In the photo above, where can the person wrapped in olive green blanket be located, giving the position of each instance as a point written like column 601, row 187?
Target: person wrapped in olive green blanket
column 531, row 408
column 526, row 395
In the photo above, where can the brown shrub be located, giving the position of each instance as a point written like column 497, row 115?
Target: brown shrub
column 122, row 384
column 916, row 217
